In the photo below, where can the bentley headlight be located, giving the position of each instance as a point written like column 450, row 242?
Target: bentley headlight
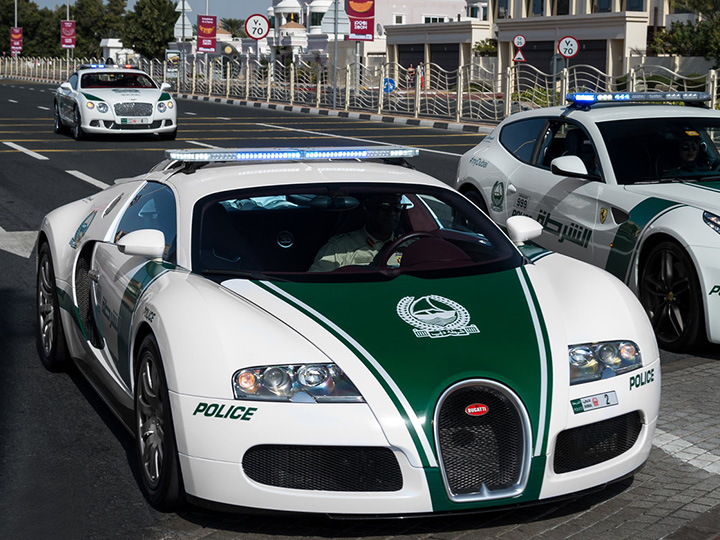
column 90, row 105
column 170, row 104
column 161, row 107
column 296, row 382
column 712, row 221
column 594, row 361
column 102, row 107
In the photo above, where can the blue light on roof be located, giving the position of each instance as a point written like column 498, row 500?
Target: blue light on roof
column 587, row 98
column 290, row 154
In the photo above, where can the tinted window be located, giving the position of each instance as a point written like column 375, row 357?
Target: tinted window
column 116, row 79
column 519, row 137
column 152, row 208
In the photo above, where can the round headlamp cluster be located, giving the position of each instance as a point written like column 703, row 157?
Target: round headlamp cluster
column 161, row 107
column 593, row 361
column 102, row 107
column 303, row 382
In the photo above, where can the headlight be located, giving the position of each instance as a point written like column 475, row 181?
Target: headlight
column 102, row 107
column 170, row 104
column 301, row 382
column 161, row 107
column 712, row 221
column 90, row 105
column 594, row 361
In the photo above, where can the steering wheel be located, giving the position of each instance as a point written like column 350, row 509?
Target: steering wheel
column 381, row 259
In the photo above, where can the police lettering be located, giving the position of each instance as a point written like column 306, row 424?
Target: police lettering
column 641, row 380
column 715, row 290
column 233, row 412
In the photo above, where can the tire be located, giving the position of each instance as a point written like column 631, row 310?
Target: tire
column 669, row 291
column 49, row 335
column 155, row 444
column 58, row 127
column 477, row 200
column 169, row 136
column 77, row 130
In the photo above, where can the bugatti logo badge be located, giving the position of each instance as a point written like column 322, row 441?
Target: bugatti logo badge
column 477, row 409
column 603, row 215
column 435, row 316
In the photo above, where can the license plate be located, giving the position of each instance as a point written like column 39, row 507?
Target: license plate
column 134, row 120
column 598, row 401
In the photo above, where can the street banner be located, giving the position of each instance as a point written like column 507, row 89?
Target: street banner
column 67, row 34
column 15, row 40
column 362, row 19
column 207, row 33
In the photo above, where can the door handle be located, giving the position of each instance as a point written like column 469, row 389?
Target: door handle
column 94, row 275
column 511, row 189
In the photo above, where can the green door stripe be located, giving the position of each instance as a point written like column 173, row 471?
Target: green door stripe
column 418, row 434
column 545, row 368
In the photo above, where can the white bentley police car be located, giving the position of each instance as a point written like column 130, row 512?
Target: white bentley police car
column 97, row 99
column 270, row 346
column 631, row 187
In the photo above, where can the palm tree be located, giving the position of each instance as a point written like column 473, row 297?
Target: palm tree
column 235, row 26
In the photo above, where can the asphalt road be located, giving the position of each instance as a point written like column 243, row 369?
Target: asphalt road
column 67, row 469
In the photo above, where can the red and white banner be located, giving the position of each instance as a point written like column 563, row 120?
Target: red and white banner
column 207, row 33
column 15, row 40
column 67, row 34
column 362, row 19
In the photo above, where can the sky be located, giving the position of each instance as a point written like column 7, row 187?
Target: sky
column 223, row 9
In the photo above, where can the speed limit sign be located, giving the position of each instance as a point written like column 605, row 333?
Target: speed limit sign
column 519, row 41
column 257, row 26
column 568, row 46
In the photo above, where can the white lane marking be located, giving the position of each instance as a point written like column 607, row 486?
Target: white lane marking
column 191, row 113
column 43, row 108
column 223, row 118
column 89, row 179
column 21, row 243
column 12, row 101
column 206, row 145
column 352, row 138
column 25, row 150
column 686, row 451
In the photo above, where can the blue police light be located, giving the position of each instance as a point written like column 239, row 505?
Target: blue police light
column 290, row 154
column 588, row 98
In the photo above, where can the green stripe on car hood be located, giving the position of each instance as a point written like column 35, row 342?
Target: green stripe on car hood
column 421, row 336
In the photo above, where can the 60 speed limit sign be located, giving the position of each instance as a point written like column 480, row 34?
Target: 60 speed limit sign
column 568, row 46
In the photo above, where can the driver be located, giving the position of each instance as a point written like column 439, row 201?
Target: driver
column 360, row 247
column 690, row 155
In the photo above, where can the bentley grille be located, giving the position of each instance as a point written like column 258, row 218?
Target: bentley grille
column 133, row 109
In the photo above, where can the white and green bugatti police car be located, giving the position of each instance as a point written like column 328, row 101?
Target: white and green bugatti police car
column 103, row 100
column 631, row 187
column 445, row 373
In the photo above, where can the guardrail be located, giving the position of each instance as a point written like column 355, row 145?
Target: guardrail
column 471, row 93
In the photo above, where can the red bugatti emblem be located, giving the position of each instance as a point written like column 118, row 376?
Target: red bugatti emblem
column 477, row 409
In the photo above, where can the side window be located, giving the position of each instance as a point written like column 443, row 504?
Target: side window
column 566, row 139
column 73, row 80
column 519, row 137
column 152, row 208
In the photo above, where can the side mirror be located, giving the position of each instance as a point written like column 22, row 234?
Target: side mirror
column 148, row 243
column 165, row 86
column 522, row 228
column 571, row 166
column 65, row 86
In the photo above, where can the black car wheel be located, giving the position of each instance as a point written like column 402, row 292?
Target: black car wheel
column 58, row 126
column 477, row 200
column 77, row 131
column 49, row 335
column 154, row 433
column 670, row 292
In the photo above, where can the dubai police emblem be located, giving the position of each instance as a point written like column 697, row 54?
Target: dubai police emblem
column 435, row 316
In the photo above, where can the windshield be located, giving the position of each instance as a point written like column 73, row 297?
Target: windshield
column 116, row 79
column 341, row 232
column 663, row 149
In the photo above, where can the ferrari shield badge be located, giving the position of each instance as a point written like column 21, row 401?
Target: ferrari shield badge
column 435, row 316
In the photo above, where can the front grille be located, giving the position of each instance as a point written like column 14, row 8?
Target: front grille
column 589, row 445
column 324, row 468
column 483, row 456
column 133, row 109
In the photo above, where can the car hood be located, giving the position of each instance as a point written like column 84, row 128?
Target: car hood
column 704, row 195
column 113, row 95
column 418, row 337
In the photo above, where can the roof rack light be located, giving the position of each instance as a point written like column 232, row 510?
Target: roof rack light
column 290, row 154
column 588, row 98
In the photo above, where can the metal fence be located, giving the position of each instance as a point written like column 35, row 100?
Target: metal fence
column 471, row 93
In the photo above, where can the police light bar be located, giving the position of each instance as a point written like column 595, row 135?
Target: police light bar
column 290, row 154
column 588, row 98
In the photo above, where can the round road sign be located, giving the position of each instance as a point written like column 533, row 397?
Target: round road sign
column 519, row 41
column 257, row 26
column 568, row 46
